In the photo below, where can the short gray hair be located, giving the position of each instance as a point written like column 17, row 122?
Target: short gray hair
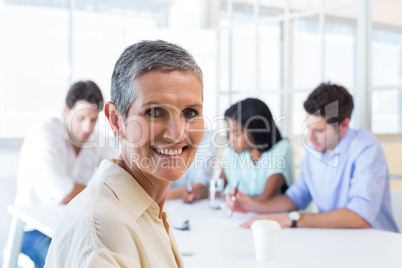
column 141, row 58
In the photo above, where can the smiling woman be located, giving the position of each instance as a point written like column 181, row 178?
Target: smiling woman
column 163, row 116
column 156, row 111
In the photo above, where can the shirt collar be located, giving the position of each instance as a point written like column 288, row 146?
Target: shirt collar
column 127, row 190
column 343, row 144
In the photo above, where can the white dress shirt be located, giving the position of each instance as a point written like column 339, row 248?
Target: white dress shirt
column 49, row 166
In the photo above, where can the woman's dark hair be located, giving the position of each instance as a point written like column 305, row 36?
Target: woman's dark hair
column 87, row 91
column 255, row 116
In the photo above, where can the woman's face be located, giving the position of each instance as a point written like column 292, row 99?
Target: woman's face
column 239, row 138
column 164, row 124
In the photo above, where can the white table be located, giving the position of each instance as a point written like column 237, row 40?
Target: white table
column 41, row 217
column 214, row 240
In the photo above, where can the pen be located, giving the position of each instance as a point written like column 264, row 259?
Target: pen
column 189, row 186
column 233, row 198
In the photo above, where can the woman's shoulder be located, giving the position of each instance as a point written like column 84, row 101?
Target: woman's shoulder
column 97, row 205
column 109, row 220
column 93, row 232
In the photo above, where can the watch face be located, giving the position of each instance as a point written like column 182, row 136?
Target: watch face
column 294, row 216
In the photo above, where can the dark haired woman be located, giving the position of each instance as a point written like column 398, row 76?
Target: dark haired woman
column 258, row 161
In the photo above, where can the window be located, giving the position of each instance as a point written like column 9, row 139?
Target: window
column 36, row 67
column 386, row 67
column 280, row 53
column 47, row 45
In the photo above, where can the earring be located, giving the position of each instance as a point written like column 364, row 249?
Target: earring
column 119, row 139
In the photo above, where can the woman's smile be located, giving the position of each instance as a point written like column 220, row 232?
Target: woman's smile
column 173, row 152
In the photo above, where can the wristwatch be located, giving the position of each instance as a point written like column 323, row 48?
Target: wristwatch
column 294, row 217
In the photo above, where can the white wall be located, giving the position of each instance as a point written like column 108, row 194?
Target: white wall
column 189, row 15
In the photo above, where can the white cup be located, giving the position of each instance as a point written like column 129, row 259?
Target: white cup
column 216, row 187
column 265, row 233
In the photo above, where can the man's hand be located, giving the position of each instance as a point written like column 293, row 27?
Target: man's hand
column 340, row 218
column 76, row 190
column 282, row 219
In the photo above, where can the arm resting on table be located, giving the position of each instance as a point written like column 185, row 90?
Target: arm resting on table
column 340, row 218
column 272, row 186
column 76, row 190
column 245, row 203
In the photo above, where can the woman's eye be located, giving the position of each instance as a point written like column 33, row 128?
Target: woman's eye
column 153, row 112
column 190, row 113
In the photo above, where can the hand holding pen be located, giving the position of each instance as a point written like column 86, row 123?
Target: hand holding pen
column 233, row 198
column 189, row 186
column 190, row 196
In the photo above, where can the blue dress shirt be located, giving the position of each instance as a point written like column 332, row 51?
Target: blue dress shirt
column 353, row 176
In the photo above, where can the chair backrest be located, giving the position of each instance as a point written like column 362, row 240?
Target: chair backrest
column 396, row 199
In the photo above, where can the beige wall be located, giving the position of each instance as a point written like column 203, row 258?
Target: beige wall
column 393, row 153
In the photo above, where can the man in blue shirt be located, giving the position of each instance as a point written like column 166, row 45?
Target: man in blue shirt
column 344, row 172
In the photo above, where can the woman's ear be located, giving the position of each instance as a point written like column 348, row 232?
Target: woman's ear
column 115, row 120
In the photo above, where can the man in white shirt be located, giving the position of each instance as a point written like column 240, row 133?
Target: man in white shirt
column 59, row 157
